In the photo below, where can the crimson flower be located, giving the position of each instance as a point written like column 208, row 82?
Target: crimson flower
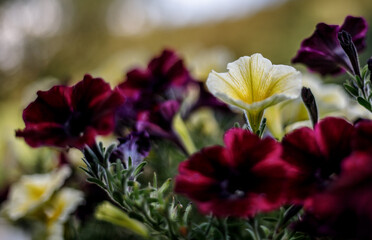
column 71, row 116
column 243, row 178
column 317, row 154
column 344, row 211
column 362, row 140
column 322, row 52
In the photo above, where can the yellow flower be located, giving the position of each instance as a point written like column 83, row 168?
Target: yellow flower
column 57, row 210
column 31, row 191
column 254, row 84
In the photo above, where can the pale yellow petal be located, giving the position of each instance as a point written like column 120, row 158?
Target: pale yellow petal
column 33, row 190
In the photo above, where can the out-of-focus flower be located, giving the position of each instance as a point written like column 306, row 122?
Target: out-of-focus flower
column 71, row 116
column 164, row 78
column 158, row 121
column 204, row 99
column 162, row 73
column 243, row 178
column 57, row 210
column 135, row 146
column 322, row 52
column 31, row 191
column 363, row 136
column 344, row 211
column 9, row 231
column 254, row 84
column 331, row 100
column 317, row 154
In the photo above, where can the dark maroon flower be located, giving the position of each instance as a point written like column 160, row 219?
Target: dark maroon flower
column 135, row 146
column 163, row 72
column 317, row 154
column 165, row 78
column 243, row 178
column 322, row 52
column 344, row 211
column 158, row 121
column 71, row 116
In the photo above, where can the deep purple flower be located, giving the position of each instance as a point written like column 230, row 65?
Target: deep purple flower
column 243, row 178
column 162, row 73
column 317, row 154
column 158, row 121
column 165, row 78
column 344, row 211
column 71, row 116
column 135, row 146
column 322, row 52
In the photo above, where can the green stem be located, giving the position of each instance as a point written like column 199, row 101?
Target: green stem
column 254, row 119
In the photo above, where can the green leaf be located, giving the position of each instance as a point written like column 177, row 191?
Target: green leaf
column 139, row 168
column 353, row 91
column 364, row 103
column 117, row 196
column 364, row 71
column 96, row 181
column 359, row 81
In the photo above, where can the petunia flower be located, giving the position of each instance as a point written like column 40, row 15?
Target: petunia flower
column 71, row 116
column 317, row 154
column 322, row 52
column 362, row 141
column 58, row 209
column 165, row 78
column 32, row 191
column 253, row 84
column 135, row 146
column 243, row 178
column 344, row 210
column 158, row 122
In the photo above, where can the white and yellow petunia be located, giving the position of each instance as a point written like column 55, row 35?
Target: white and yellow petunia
column 57, row 210
column 31, row 191
column 254, row 84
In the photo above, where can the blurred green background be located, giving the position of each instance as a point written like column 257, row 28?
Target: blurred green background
column 48, row 42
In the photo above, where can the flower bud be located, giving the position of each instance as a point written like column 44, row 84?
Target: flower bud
column 347, row 44
column 310, row 103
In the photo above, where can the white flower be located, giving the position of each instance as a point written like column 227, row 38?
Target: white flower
column 253, row 84
column 31, row 191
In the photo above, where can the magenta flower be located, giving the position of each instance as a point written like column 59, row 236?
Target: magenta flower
column 322, row 52
column 362, row 140
column 71, row 116
column 344, row 211
column 243, row 178
column 317, row 154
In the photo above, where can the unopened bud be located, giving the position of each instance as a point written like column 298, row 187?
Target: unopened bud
column 310, row 103
column 347, row 44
